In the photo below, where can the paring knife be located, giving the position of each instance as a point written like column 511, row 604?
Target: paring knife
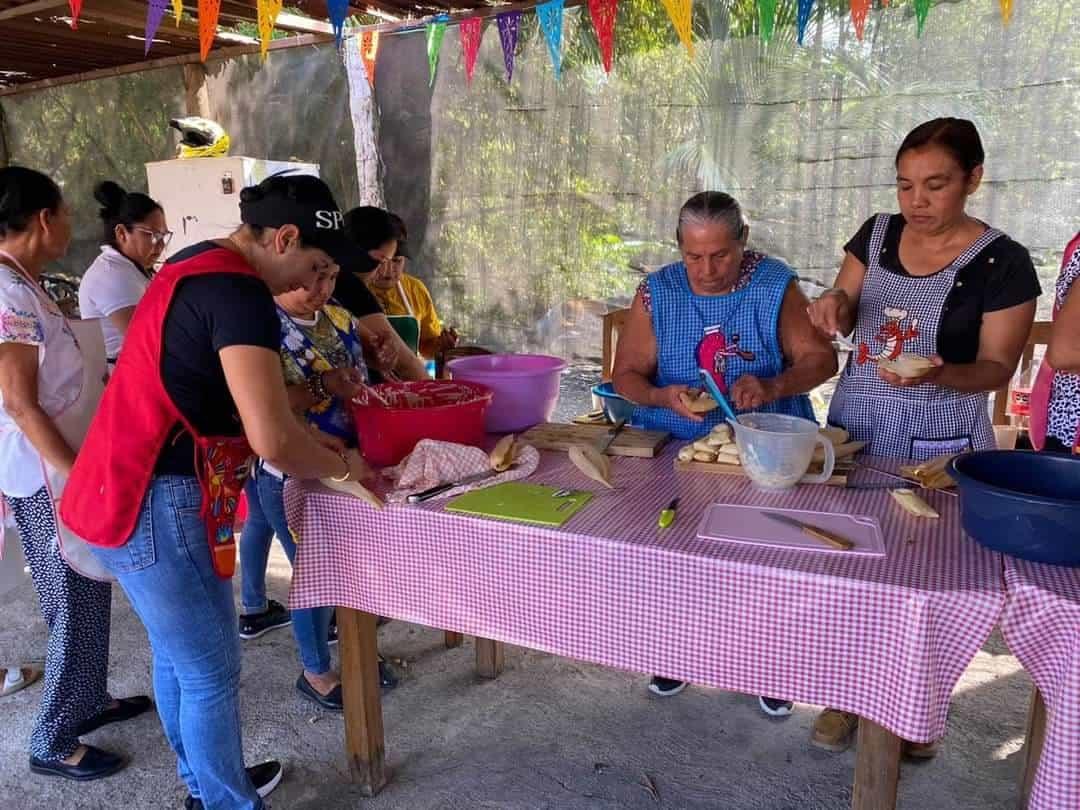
column 826, row 536
column 612, row 434
column 427, row 494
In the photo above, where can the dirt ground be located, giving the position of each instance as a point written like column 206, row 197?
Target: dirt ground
column 549, row 733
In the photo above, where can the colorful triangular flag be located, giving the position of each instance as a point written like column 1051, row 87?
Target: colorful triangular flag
column 603, row 13
column 155, row 10
column 550, row 16
column 268, row 14
column 1006, row 11
column 802, row 17
column 859, row 10
column 338, row 11
column 178, row 10
column 922, row 9
column 369, row 50
column 208, row 17
column 681, row 13
column 435, row 33
column 76, row 10
column 767, row 18
column 508, row 23
column 471, row 32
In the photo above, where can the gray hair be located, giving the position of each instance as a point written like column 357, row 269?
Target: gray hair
column 710, row 208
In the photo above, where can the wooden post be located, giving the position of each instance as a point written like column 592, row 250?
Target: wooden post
column 489, row 658
column 196, row 94
column 452, row 639
column 360, row 694
column 1036, row 733
column 877, row 768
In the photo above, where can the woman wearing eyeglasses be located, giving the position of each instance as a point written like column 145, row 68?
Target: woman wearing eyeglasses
column 135, row 237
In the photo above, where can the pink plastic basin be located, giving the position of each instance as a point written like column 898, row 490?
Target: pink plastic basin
column 526, row 387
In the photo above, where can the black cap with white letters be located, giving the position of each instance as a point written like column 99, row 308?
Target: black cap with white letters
column 306, row 202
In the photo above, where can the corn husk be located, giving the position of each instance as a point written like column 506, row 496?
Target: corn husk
column 702, row 403
column 591, row 462
column 913, row 504
column 836, row 435
column 907, row 365
column 356, row 490
column 931, row 474
column 504, row 453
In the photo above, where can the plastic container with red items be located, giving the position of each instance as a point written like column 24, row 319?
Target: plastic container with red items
column 447, row 410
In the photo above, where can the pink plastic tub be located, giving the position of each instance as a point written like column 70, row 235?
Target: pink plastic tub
column 526, row 387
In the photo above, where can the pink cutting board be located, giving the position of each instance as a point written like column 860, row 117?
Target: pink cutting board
column 747, row 524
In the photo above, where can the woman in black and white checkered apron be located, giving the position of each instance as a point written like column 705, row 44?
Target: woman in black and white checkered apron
column 936, row 283
column 918, row 422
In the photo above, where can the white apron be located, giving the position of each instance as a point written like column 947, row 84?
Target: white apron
column 73, row 423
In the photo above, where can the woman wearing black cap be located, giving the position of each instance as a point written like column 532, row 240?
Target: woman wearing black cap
column 197, row 392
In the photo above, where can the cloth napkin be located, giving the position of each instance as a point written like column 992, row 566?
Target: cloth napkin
column 433, row 462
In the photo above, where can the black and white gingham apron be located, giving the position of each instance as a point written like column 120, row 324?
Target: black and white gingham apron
column 922, row 421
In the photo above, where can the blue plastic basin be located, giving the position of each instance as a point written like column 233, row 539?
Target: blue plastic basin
column 1021, row 503
column 615, row 407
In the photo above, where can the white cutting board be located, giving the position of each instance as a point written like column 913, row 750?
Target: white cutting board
column 729, row 523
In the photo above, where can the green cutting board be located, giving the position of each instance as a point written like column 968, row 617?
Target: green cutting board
column 526, row 503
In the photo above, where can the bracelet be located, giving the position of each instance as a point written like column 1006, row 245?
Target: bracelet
column 316, row 388
column 348, row 470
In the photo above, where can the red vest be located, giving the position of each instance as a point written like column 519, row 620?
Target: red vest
column 112, row 472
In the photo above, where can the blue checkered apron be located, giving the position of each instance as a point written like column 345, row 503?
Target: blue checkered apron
column 926, row 420
column 680, row 318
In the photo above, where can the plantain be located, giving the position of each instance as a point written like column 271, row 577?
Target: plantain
column 907, row 365
column 702, row 403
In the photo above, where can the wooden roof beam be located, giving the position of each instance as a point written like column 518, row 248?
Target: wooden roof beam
column 26, row 9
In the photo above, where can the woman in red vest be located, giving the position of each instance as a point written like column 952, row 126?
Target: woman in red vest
column 197, row 391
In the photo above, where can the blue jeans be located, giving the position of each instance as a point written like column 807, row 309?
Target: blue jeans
column 266, row 517
column 166, row 571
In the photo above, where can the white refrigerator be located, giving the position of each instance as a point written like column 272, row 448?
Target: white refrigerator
column 201, row 196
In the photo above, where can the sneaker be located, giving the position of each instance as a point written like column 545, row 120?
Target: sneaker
column 775, row 707
column 265, row 777
column 834, row 730
column 388, row 677
column 666, row 687
column 253, row 625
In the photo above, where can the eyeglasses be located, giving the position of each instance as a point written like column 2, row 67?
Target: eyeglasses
column 397, row 263
column 156, row 237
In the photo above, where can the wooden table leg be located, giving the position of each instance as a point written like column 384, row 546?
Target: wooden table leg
column 1036, row 733
column 361, row 696
column 489, row 658
column 452, row 639
column 877, row 768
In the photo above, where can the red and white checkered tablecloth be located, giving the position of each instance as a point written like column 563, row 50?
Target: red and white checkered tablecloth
column 887, row 638
column 1041, row 625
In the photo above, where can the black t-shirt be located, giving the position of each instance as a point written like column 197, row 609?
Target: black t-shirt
column 353, row 294
column 1001, row 276
column 208, row 313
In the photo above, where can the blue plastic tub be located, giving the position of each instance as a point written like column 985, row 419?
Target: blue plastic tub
column 615, row 407
column 1021, row 503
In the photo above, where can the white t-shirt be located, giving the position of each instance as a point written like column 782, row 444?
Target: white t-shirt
column 29, row 317
column 110, row 284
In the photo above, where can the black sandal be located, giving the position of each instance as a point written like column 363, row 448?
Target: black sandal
column 125, row 709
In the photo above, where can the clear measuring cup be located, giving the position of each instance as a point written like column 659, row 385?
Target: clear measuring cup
column 776, row 450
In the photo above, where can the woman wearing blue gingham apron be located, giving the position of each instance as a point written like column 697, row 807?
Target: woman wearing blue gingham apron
column 902, row 314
